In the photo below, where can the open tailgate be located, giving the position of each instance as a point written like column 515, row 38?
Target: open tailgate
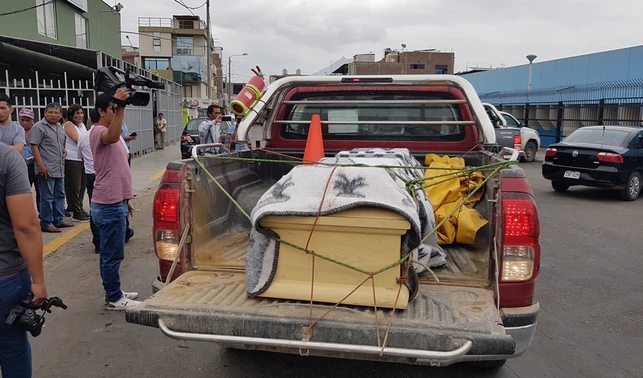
column 443, row 323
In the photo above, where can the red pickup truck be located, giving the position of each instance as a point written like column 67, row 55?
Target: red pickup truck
column 483, row 309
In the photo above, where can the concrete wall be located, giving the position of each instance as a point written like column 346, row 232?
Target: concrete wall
column 24, row 25
column 146, row 42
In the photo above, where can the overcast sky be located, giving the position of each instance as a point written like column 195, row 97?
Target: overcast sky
column 309, row 34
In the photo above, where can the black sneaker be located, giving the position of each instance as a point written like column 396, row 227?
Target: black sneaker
column 80, row 217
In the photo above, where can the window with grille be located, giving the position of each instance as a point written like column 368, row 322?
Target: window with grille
column 156, row 43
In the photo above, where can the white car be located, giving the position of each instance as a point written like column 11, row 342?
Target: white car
column 530, row 140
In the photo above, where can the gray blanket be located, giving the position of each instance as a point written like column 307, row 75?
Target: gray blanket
column 299, row 194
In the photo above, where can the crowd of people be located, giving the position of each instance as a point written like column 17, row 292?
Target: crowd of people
column 62, row 159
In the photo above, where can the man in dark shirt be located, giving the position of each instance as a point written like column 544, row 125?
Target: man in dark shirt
column 21, row 270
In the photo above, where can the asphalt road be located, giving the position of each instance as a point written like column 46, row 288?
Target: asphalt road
column 590, row 289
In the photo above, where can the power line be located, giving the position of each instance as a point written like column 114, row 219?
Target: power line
column 194, row 8
column 182, row 4
column 26, row 9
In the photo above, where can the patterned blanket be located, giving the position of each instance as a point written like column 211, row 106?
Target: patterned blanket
column 299, row 193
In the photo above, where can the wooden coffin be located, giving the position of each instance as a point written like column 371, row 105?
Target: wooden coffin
column 366, row 238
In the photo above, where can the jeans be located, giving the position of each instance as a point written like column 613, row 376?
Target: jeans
column 95, row 231
column 111, row 221
column 15, row 351
column 31, row 168
column 52, row 201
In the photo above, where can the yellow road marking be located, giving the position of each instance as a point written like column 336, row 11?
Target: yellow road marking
column 61, row 240
column 157, row 176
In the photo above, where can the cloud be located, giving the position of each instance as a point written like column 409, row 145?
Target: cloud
column 310, row 34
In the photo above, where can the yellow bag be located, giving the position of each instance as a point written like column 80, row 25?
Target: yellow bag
column 447, row 192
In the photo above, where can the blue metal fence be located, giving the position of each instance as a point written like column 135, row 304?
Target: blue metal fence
column 556, row 120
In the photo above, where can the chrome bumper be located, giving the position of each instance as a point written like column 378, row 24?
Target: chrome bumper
column 523, row 336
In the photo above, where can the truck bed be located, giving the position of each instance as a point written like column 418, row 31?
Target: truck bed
column 209, row 300
column 465, row 264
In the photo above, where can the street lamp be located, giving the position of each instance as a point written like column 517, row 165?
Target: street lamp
column 115, row 10
column 230, row 75
column 531, row 58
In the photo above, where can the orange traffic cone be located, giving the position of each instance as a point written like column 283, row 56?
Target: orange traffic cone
column 315, row 143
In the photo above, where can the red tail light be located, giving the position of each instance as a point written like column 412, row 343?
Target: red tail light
column 550, row 152
column 520, row 257
column 166, row 205
column 187, row 138
column 167, row 218
column 517, row 140
column 608, row 157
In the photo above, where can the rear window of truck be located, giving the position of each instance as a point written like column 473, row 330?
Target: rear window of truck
column 364, row 111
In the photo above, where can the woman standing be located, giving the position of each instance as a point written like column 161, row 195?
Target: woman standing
column 75, row 181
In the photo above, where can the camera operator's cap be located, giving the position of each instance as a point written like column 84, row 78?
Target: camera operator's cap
column 26, row 113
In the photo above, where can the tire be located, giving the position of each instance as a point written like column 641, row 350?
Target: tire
column 530, row 151
column 633, row 187
column 495, row 364
column 559, row 186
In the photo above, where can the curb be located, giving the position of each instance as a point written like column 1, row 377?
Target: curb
column 53, row 245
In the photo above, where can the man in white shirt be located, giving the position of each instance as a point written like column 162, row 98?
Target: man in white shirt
column 85, row 153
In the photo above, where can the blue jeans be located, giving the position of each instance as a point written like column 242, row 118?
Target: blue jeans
column 52, row 201
column 15, row 351
column 111, row 221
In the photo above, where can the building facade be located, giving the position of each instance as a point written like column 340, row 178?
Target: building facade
column 176, row 49
column 85, row 24
column 420, row 62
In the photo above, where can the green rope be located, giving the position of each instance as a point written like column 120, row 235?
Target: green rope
column 487, row 167
column 223, row 190
column 461, row 204
column 406, row 258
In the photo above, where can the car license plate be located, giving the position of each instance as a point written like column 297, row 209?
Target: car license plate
column 572, row 175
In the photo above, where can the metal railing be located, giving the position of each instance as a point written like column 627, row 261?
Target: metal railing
column 556, row 120
column 155, row 22
column 35, row 89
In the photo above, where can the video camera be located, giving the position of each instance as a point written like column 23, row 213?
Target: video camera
column 109, row 79
column 24, row 315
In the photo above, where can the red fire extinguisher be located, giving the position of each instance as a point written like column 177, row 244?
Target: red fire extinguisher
column 250, row 93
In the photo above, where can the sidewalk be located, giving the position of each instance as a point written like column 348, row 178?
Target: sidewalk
column 147, row 170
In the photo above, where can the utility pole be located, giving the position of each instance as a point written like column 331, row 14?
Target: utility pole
column 209, row 52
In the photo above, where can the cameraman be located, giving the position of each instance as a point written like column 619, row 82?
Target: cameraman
column 21, row 270
column 210, row 130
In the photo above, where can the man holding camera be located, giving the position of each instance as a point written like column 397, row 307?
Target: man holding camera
column 21, row 270
column 111, row 194
column 210, row 130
